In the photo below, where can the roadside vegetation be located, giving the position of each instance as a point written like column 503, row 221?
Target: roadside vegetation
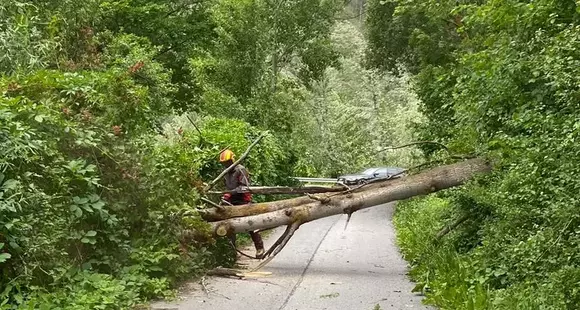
column 498, row 79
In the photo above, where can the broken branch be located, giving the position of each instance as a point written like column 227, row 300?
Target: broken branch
column 447, row 229
column 201, row 139
column 286, row 237
column 277, row 243
column 416, row 143
column 227, row 272
column 349, row 215
column 240, row 252
column 285, row 190
column 220, row 208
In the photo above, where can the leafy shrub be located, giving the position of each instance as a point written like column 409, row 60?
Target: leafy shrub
column 93, row 204
column 507, row 90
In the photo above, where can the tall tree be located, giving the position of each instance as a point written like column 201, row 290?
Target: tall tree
column 177, row 28
column 257, row 40
column 353, row 112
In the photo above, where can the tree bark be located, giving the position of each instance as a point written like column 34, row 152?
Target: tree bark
column 227, row 272
column 421, row 184
column 227, row 212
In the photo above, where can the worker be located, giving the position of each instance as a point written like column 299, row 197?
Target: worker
column 236, row 180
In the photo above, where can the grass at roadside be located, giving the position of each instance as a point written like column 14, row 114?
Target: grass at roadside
column 440, row 272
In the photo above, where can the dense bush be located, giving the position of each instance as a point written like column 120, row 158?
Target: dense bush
column 94, row 202
column 507, row 89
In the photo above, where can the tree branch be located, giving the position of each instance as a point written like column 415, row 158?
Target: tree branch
column 415, row 143
column 220, row 208
column 281, row 243
column 277, row 243
column 201, row 139
column 226, row 272
column 285, row 190
column 240, row 252
column 447, row 229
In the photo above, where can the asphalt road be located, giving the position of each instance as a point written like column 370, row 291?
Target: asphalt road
column 324, row 266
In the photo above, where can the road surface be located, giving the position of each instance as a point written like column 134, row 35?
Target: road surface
column 323, row 266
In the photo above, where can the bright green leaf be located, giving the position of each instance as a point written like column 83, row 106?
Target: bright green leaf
column 4, row 257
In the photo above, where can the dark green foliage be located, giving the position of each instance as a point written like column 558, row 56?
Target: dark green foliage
column 248, row 72
column 97, row 201
column 414, row 34
column 90, row 206
column 177, row 28
column 79, row 195
column 510, row 92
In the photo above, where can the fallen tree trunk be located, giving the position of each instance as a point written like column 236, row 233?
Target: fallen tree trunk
column 227, row 212
column 286, row 190
column 421, row 184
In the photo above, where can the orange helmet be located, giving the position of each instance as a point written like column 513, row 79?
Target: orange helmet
column 226, row 155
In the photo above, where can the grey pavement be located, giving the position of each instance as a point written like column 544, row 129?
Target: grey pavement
column 323, row 266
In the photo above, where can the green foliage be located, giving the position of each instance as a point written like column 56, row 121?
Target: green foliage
column 354, row 112
column 439, row 270
column 178, row 28
column 268, row 163
column 99, row 176
column 88, row 207
column 245, row 73
column 95, row 208
column 69, row 180
column 418, row 33
column 510, row 91
column 22, row 44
